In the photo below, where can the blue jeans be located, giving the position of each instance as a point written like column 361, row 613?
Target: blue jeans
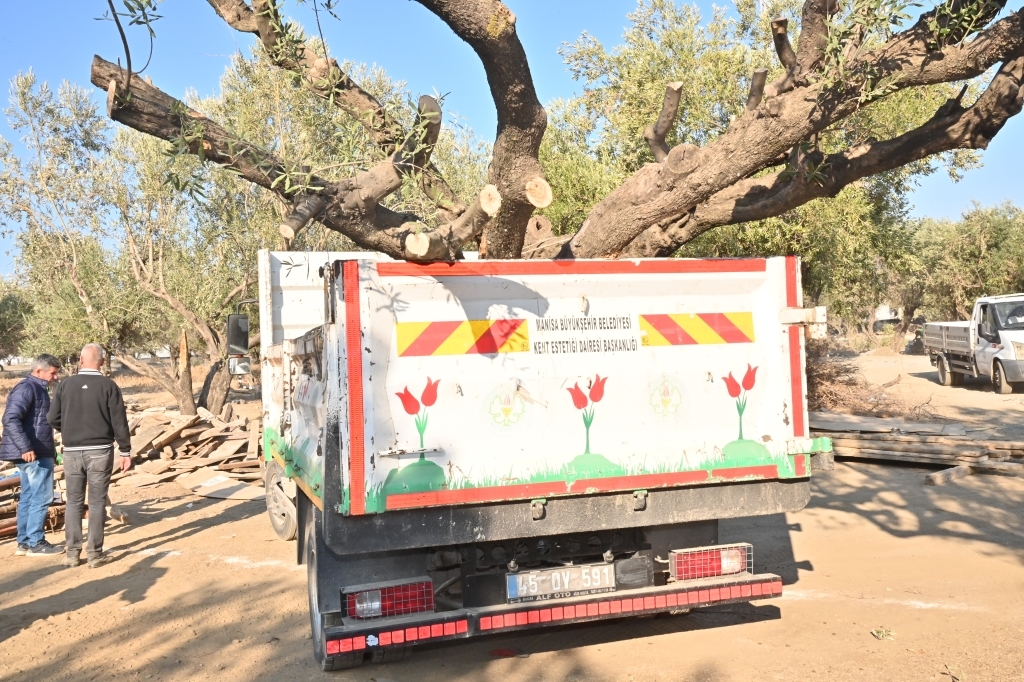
column 36, row 496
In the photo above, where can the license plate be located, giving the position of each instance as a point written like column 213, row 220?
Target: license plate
column 557, row 583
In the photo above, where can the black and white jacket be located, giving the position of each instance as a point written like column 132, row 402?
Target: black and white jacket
column 89, row 412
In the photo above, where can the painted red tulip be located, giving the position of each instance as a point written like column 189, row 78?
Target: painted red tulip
column 597, row 390
column 409, row 402
column 732, row 385
column 579, row 398
column 429, row 396
column 748, row 378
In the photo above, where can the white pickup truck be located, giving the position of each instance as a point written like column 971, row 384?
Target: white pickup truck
column 990, row 344
column 492, row 446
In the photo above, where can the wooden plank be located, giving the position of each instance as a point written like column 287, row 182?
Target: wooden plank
column 254, row 442
column 245, row 477
column 831, row 421
column 227, row 449
column 246, row 464
column 146, row 436
column 904, row 457
column 1000, row 467
column 155, row 466
column 895, row 446
column 939, row 440
column 174, row 432
column 947, row 475
column 856, row 452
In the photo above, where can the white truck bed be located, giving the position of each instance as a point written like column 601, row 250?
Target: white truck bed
column 948, row 337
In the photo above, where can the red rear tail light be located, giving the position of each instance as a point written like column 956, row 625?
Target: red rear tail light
column 710, row 562
column 391, row 600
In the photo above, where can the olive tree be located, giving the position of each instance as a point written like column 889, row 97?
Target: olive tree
column 768, row 158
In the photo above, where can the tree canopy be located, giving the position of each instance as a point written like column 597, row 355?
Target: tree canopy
column 854, row 91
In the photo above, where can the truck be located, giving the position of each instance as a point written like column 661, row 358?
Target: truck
column 479, row 447
column 990, row 344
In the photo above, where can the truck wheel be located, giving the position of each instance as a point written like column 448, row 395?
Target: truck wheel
column 957, row 378
column 391, row 654
column 280, row 507
column 945, row 376
column 1002, row 386
column 316, row 619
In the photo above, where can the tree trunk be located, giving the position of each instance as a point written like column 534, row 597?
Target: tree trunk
column 215, row 387
column 182, row 396
column 182, row 359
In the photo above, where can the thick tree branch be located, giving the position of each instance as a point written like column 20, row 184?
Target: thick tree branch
column 952, row 127
column 656, row 132
column 660, row 192
column 323, row 76
column 756, row 88
column 780, row 36
column 489, row 28
column 814, row 34
column 352, row 205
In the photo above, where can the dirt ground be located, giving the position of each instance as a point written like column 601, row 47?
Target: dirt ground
column 203, row 590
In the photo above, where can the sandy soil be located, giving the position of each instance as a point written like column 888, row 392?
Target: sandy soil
column 203, row 590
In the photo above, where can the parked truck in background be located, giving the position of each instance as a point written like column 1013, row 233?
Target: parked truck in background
column 490, row 446
column 990, row 344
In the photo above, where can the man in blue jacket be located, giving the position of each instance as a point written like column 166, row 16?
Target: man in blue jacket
column 28, row 441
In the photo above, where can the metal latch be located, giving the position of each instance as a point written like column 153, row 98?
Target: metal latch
column 813, row 318
column 639, row 500
column 537, row 508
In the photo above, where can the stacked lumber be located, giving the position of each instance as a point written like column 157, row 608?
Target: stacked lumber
column 167, row 445
column 963, row 455
column 10, row 493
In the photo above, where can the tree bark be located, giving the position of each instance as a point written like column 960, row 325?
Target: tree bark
column 215, row 387
column 489, row 28
column 952, row 127
column 166, row 379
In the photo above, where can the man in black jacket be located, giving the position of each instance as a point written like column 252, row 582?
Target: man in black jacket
column 89, row 411
column 28, row 441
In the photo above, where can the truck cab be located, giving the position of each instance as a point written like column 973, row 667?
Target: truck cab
column 991, row 344
column 997, row 333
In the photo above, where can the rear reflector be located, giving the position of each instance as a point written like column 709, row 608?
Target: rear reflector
column 710, row 562
column 394, row 600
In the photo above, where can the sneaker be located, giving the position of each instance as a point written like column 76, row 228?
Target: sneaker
column 22, row 550
column 44, row 548
column 73, row 559
column 100, row 560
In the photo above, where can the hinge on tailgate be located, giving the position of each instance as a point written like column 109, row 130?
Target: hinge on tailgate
column 639, row 500
column 813, row 318
column 537, row 508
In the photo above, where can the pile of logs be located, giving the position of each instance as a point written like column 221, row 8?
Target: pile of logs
column 170, row 445
column 964, row 455
column 10, row 491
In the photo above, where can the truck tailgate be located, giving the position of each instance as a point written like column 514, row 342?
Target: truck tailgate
column 481, row 382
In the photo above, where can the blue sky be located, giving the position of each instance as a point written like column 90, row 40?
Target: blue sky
column 193, row 47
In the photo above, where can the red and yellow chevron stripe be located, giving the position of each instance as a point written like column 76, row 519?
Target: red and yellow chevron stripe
column 696, row 329
column 466, row 337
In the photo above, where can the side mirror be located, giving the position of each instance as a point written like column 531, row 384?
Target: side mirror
column 238, row 335
column 238, row 366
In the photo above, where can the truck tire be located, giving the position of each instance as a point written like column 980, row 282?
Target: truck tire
column 1002, row 386
column 280, row 507
column 945, row 376
column 316, row 619
column 957, row 378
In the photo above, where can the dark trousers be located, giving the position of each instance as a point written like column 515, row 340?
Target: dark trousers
column 87, row 469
